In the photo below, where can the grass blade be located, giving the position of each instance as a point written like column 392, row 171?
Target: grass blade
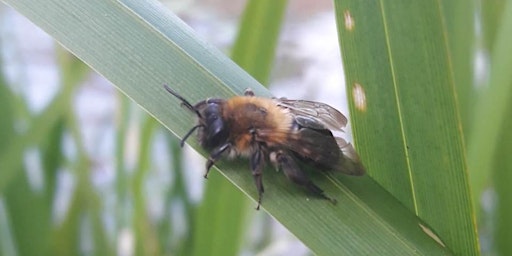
column 406, row 120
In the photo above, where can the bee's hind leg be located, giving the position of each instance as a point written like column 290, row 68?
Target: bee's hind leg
column 257, row 162
column 292, row 171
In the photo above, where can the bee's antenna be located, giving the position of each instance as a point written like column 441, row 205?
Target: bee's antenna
column 184, row 102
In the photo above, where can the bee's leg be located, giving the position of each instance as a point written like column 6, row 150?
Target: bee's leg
column 257, row 162
column 214, row 156
column 295, row 174
column 248, row 92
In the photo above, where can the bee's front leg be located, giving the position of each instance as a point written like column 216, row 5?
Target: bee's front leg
column 214, row 156
column 257, row 163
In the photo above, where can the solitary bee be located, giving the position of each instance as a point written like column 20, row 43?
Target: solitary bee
column 281, row 131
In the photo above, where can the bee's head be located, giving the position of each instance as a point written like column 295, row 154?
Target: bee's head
column 212, row 129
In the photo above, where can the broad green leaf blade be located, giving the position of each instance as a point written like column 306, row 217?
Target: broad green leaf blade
column 138, row 46
column 406, row 123
column 220, row 228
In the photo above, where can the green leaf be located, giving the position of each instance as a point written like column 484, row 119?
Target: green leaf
column 257, row 39
column 6, row 112
column 403, row 99
column 456, row 16
column 139, row 46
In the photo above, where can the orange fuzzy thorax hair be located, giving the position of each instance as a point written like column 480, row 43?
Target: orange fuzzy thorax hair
column 243, row 114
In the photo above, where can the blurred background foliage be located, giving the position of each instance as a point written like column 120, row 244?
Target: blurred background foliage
column 84, row 171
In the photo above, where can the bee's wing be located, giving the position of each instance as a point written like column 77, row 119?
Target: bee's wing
column 315, row 141
column 324, row 114
column 314, row 144
column 351, row 158
column 326, row 151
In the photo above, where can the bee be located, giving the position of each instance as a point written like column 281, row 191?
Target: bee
column 281, row 131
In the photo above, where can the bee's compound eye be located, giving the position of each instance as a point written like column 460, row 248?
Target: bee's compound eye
column 211, row 113
column 212, row 118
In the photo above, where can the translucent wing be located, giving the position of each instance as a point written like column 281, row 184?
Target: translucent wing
column 317, row 146
column 322, row 113
column 352, row 164
column 312, row 139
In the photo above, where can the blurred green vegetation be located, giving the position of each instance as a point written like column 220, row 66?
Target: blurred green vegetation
column 218, row 225
column 222, row 206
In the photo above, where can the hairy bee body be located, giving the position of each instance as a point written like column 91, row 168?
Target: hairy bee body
column 247, row 116
column 277, row 130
